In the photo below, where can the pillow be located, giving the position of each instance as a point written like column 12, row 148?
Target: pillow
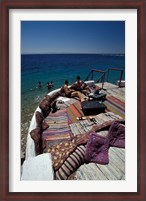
column 39, row 119
column 36, row 136
column 117, row 135
column 97, row 150
column 46, row 103
column 60, row 152
column 44, row 125
column 48, row 97
column 55, row 95
column 45, row 106
column 71, row 164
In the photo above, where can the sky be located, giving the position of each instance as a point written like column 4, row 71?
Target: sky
column 44, row 37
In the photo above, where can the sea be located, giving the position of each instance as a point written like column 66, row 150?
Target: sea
column 58, row 68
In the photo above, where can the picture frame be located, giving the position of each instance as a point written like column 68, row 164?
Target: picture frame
column 4, row 73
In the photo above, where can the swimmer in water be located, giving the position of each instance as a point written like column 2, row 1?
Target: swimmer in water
column 49, row 85
column 39, row 85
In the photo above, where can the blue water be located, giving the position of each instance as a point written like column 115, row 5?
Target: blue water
column 58, row 68
column 44, row 68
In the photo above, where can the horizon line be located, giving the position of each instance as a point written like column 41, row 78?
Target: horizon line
column 73, row 53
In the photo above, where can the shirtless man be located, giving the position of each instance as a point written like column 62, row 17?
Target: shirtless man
column 81, row 86
column 72, row 93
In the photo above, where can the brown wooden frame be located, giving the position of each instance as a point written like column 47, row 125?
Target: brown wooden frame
column 140, row 5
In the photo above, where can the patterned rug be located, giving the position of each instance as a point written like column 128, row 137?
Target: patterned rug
column 74, row 111
column 58, row 130
column 115, row 105
column 84, row 126
column 105, row 117
column 63, row 103
column 81, row 127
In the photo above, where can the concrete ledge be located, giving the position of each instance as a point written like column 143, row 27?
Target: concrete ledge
column 38, row 168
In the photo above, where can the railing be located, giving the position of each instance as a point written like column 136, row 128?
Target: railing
column 100, row 79
column 116, row 69
column 104, row 75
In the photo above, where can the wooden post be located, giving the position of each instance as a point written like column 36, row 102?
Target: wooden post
column 103, row 78
column 107, row 74
column 120, row 78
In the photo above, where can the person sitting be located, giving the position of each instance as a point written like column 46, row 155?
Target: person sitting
column 81, row 86
column 72, row 93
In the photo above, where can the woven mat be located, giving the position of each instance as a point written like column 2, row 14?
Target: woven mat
column 115, row 105
column 83, row 126
column 74, row 111
column 58, row 130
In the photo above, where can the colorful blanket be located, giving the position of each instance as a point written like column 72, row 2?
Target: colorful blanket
column 84, row 126
column 115, row 105
column 105, row 117
column 58, row 113
column 81, row 127
column 67, row 156
column 74, row 111
column 58, row 130
column 70, row 101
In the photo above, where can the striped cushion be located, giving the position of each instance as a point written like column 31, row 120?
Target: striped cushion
column 71, row 164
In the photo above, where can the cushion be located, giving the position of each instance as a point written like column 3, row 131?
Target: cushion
column 45, row 106
column 48, row 97
column 44, row 125
column 41, row 122
column 60, row 152
column 98, row 146
column 97, row 149
column 47, row 103
column 71, row 164
column 117, row 135
column 55, row 95
column 36, row 136
column 39, row 119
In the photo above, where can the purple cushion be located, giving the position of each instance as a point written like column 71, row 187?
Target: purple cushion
column 97, row 149
column 97, row 146
column 117, row 135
